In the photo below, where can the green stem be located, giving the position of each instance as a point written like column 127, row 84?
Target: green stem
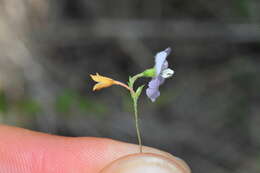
column 135, row 96
column 138, row 76
column 134, row 78
column 137, row 125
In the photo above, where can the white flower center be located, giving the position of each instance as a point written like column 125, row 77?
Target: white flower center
column 167, row 73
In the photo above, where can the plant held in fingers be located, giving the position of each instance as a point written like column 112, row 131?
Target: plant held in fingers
column 158, row 73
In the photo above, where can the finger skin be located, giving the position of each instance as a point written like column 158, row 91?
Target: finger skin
column 146, row 162
column 26, row 151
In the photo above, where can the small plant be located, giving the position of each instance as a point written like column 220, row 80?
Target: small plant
column 158, row 74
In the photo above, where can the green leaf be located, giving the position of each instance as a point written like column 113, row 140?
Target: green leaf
column 139, row 91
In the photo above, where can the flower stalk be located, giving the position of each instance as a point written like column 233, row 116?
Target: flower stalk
column 138, row 133
column 135, row 96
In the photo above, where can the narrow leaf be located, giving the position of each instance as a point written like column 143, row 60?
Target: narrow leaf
column 139, row 91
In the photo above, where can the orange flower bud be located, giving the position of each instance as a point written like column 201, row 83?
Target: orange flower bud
column 103, row 82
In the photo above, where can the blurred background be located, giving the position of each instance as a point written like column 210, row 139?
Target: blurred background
column 208, row 113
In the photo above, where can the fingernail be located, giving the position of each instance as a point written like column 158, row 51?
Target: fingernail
column 146, row 162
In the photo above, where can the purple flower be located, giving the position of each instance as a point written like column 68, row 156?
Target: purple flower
column 162, row 72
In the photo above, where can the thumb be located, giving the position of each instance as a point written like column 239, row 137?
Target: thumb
column 26, row 151
column 147, row 162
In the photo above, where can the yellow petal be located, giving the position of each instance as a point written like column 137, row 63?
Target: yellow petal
column 99, row 86
column 99, row 78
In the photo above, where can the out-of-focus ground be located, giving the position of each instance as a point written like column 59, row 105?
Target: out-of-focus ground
column 208, row 113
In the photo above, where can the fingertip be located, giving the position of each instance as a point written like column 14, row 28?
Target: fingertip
column 129, row 153
column 146, row 162
column 118, row 149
